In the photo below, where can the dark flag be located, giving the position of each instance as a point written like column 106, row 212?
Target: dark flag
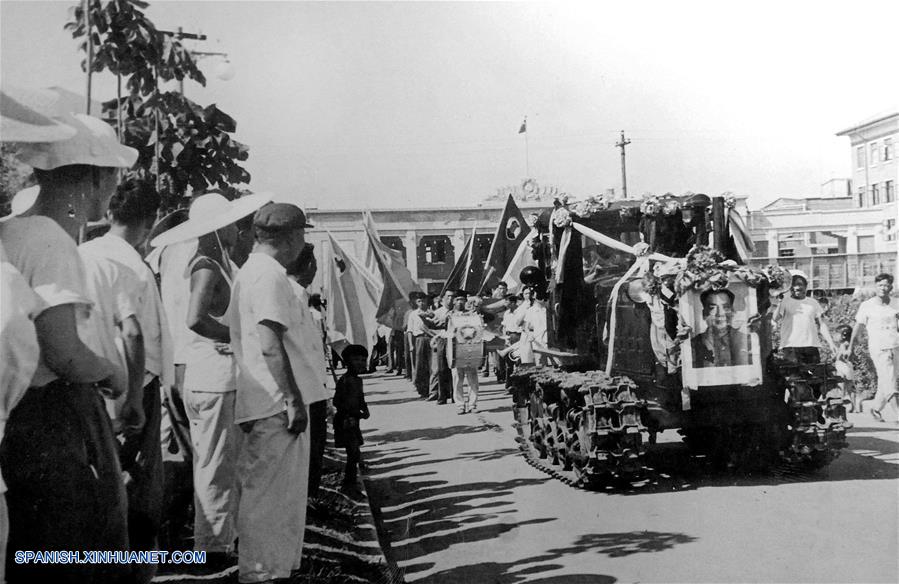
column 458, row 276
column 510, row 232
column 524, row 126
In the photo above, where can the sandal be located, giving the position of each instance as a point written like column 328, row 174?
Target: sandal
column 876, row 415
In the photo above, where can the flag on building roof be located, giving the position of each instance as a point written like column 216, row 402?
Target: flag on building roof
column 352, row 293
column 510, row 232
column 524, row 126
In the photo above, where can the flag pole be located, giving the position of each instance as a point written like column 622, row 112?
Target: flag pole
column 527, row 161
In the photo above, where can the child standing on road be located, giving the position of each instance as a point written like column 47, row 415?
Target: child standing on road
column 844, row 368
column 349, row 401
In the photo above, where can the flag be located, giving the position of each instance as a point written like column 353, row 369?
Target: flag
column 524, row 126
column 467, row 277
column 522, row 259
column 510, row 232
column 352, row 293
column 457, row 276
column 395, row 276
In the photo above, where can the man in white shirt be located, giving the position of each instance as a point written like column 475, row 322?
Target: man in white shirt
column 302, row 273
column 276, row 378
column 132, row 212
column 801, row 319
column 880, row 317
column 420, row 338
column 441, row 386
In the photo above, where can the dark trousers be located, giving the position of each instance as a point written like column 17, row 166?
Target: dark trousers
column 60, row 463
column 178, row 485
column 422, row 364
column 802, row 355
column 441, row 384
column 141, row 460
column 318, row 436
column 409, row 347
column 397, row 351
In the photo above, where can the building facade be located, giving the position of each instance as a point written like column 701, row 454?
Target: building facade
column 846, row 236
column 430, row 239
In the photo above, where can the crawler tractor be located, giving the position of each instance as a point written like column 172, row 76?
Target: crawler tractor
column 590, row 412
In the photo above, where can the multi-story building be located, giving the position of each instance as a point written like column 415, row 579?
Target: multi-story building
column 846, row 236
column 875, row 168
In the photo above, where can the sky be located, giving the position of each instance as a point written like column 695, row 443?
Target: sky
column 406, row 104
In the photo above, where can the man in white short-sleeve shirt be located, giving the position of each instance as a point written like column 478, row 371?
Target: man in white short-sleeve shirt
column 275, row 381
column 880, row 317
column 801, row 319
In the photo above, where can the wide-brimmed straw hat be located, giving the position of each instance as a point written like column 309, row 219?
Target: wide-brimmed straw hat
column 209, row 213
column 94, row 144
column 20, row 123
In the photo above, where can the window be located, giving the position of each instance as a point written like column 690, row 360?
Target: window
column 861, row 196
column 435, row 250
column 889, row 192
column 865, row 244
column 887, row 149
column 875, row 194
column 875, row 153
column 890, row 229
column 860, row 157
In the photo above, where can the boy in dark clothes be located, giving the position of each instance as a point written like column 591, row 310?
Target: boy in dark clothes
column 349, row 401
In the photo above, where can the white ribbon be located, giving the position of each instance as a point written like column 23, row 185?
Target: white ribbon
column 641, row 261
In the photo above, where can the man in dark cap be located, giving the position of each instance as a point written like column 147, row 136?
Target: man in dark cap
column 273, row 390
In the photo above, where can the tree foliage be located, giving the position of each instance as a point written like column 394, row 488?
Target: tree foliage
column 194, row 144
column 14, row 176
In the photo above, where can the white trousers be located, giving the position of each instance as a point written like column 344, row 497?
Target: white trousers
column 886, row 365
column 460, row 374
column 215, row 440
column 273, row 473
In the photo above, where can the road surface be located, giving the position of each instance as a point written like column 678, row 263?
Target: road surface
column 458, row 503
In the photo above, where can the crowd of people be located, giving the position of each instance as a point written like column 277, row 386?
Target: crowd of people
column 446, row 342
column 117, row 375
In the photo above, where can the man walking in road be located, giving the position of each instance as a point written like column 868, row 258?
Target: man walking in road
column 880, row 318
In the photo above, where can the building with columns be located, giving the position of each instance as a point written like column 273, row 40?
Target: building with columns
column 430, row 239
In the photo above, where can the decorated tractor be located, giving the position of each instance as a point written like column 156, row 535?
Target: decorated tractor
column 656, row 323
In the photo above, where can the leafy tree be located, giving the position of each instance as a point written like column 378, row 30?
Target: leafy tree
column 180, row 143
column 14, row 176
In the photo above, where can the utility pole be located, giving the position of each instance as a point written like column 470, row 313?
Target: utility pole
column 624, row 142
column 181, row 35
column 86, row 7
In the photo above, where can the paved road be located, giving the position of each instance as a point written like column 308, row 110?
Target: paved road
column 459, row 504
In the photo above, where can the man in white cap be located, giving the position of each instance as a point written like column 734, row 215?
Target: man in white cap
column 59, row 455
column 209, row 383
column 271, row 408
column 19, row 305
column 801, row 319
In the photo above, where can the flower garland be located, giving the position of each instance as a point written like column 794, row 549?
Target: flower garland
column 561, row 217
column 654, row 206
column 706, row 268
column 590, row 205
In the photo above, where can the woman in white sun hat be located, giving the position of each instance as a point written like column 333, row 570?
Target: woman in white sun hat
column 209, row 386
column 64, row 479
column 19, row 305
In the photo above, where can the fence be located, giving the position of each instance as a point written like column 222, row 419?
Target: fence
column 836, row 271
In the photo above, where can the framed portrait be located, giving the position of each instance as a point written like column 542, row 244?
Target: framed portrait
column 721, row 349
